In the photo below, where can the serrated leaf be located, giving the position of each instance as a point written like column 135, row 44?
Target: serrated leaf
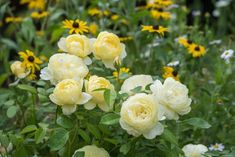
column 110, row 119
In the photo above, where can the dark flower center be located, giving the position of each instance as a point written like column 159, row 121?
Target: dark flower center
column 40, row 11
column 175, row 73
column 75, row 24
column 197, row 48
column 160, row 10
column 190, row 41
column 156, row 27
column 31, row 58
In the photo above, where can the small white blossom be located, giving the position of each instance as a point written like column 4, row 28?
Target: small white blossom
column 196, row 12
column 213, row 42
column 226, row 55
column 216, row 13
column 222, row 3
column 174, row 63
column 217, row 147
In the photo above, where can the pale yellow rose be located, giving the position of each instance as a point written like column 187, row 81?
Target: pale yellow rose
column 107, row 47
column 135, row 81
column 78, row 45
column 173, row 97
column 64, row 66
column 93, row 84
column 191, row 150
column 140, row 115
column 92, row 151
column 68, row 94
column 19, row 70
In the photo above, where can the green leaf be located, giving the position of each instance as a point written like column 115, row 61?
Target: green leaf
column 28, row 129
column 137, row 89
column 27, row 88
column 79, row 154
column 9, row 43
column 198, row 122
column 125, row 148
column 64, row 122
column 94, row 130
column 169, row 136
column 58, row 139
column 39, row 135
column 110, row 96
column 84, row 135
column 110, row 119
column 11, row 111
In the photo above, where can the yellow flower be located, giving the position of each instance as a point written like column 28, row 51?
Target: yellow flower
column 196, row 50
column 40, row 33
column 93, row 84
column 170, row 72
column 31, row 77
column 125, row 38
column 43, row 58
column 158, row 29
column 107, row 47
column 94, row 12
column 114, row 17
column 39, row 14
column 37, row 4
column 92, row 151
column 68, row 94
column 93, row 28
column 185, row 42
column 76, row 26
column 157, row 14
column 18, row 69
column 140, row 115
column 30, row 61
column 122, row 70
column 163, row 3
column 13, row 19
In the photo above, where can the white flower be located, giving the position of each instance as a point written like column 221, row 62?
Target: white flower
column 107, row 47
column 216, row 13
column 191, row 150
column 92, row 151
column 217, row 147
column 78, row 45
column 140, row 115
column 215, row 42
column 135, row 81
column 226, row 55
column 93, row 84
column 174, row 63
column 196, row 12
column 222, row 3
column 64, row 66
column 68, row 94
column 173, row 97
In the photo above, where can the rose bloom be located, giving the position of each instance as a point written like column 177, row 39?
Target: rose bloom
column 93, row 84
column 92, row 151
column 78, row 45
column 191, row 150
column 173, row 97
column 19, row 70
column 68, row 94
column 64, row 66
column 135, row 81
column 140, row 114
column 107, row 47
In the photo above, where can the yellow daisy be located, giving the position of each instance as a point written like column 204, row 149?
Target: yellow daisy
column 122, row 39
column 13, row 19
column 30, row 61
column 76, row 26
column 39, row 14
column 122, row 70
column 185, row 42
column 170, row 72
column 94, row 12
column 114, row 17
column 158, row 29
column 93, row 28
column 163, row 3
column 196, row 50
column 159, row 13
column 37, row 4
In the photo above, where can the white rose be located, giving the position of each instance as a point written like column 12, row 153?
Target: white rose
column 173, row 97
column 68, row 94
column 19, row 70
column 78, row 45
column 140, row 114
column 92, row 151
column 191, row 150
column 93, row 84
column 135, row 81
column 108, row 47
column 64, row 66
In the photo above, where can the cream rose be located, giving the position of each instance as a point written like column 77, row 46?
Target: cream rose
column 140, row 114
column 19, row 70
column 107, row 47
column 191, row 150
column 68, row 94
column 64, row 66
column 92, row 151
column 135, row 81
column 91, row 85
column 173, row 97
column 78, row 45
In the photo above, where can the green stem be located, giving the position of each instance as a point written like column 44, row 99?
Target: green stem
column 34, row 108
